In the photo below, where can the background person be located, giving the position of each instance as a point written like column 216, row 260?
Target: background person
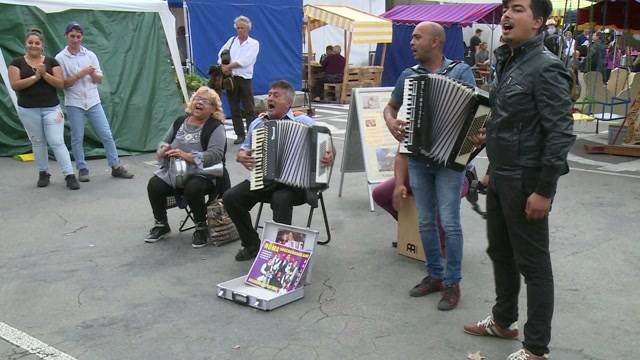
column 35, row 78
column 333, row 67
column 243, row 51
column 199, row 139
column 81, row 99
column 482, row 56
column 239, row 200
column 474, row 43
column 327, row 51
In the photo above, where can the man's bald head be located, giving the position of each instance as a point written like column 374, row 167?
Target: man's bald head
column 434, row 30
column 427, row 42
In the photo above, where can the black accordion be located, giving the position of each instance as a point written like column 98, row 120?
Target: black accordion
column 441, row 114
column 289, row 152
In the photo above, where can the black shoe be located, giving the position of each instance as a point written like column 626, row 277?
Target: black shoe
column 121, row 172
column 246, row 254
column 72, row 182
column 239, row 140
column 200, row 236
column 159, row 231
column 83, row 175
column 43, row 179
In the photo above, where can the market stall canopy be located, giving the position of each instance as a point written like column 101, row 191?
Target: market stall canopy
column 448, row 14
column 620, row 15
column 559, row 6
column 365, row 28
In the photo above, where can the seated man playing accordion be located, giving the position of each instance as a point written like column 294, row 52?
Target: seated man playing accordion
column 240, row 199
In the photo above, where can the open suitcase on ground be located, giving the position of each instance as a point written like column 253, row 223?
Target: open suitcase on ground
column 238, row 291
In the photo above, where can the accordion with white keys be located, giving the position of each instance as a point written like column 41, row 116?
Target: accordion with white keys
column 289, row 152
column 441, row 114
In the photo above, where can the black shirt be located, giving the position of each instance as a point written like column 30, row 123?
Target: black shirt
column 475, row 41
column 40, row 94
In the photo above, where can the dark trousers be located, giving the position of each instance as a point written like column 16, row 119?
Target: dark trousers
column 194, row 192
column 242, row 94
column 239, row 200
column 519, row 246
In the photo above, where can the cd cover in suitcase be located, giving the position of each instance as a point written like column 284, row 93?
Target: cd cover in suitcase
column 278, row 267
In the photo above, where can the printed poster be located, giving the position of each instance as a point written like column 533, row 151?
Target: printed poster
column 280, row 265
column 379, row 146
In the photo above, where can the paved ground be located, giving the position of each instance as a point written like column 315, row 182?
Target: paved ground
column 76, row 274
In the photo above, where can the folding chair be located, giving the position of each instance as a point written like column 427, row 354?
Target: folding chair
column 220, row 173
column 179, row 202
column 313, row 198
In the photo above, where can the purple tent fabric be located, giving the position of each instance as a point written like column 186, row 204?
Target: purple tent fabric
column 446, row 14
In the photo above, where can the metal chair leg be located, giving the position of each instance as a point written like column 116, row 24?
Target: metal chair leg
column 310, row 216
column 326, row 221
column 258, row 216
column 183, row 223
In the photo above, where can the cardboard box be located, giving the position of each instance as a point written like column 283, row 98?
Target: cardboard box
column 409, row 243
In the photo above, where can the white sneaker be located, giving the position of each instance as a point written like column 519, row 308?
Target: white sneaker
column 524, row 354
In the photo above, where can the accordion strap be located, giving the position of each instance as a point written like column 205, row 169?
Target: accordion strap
column 418, row 70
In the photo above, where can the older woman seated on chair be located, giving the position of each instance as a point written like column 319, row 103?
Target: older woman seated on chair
column 196, row 141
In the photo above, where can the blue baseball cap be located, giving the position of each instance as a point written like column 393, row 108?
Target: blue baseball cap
column 74, row 25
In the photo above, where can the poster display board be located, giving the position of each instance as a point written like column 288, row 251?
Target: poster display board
column 369, row 146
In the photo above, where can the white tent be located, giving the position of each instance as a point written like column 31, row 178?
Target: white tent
column 156, row 6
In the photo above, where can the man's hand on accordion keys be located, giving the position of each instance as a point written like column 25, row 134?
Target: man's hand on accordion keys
column 246, row 159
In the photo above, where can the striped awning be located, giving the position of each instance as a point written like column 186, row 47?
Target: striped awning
column 365, row 28
column 559, row 6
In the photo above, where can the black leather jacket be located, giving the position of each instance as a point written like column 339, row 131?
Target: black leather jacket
column 530, row 131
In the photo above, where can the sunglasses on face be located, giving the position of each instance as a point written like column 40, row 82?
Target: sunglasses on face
column 202, row 100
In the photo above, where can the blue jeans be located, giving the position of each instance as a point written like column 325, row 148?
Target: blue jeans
column 437, row 191
column 98, row 120
column 46, row 125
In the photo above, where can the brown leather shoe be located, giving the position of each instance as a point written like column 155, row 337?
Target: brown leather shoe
column 450, row 297
column 427, row 286
column 488, row 327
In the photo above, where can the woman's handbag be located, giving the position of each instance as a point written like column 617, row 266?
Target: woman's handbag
column 221, row 228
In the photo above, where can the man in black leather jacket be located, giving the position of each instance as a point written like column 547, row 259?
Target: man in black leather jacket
column 528, row 138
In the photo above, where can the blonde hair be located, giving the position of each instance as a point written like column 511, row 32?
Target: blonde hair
column 211, row 95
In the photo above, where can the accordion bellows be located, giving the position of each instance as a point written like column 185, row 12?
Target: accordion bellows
column 441, row 114
column 289, row 152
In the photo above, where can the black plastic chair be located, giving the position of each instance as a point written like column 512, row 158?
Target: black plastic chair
column 313, row 199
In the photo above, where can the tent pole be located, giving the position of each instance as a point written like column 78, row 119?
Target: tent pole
column 384, row 54
column 309, row 51
column 189, row 54
column 345, row 39
column 343, row 92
